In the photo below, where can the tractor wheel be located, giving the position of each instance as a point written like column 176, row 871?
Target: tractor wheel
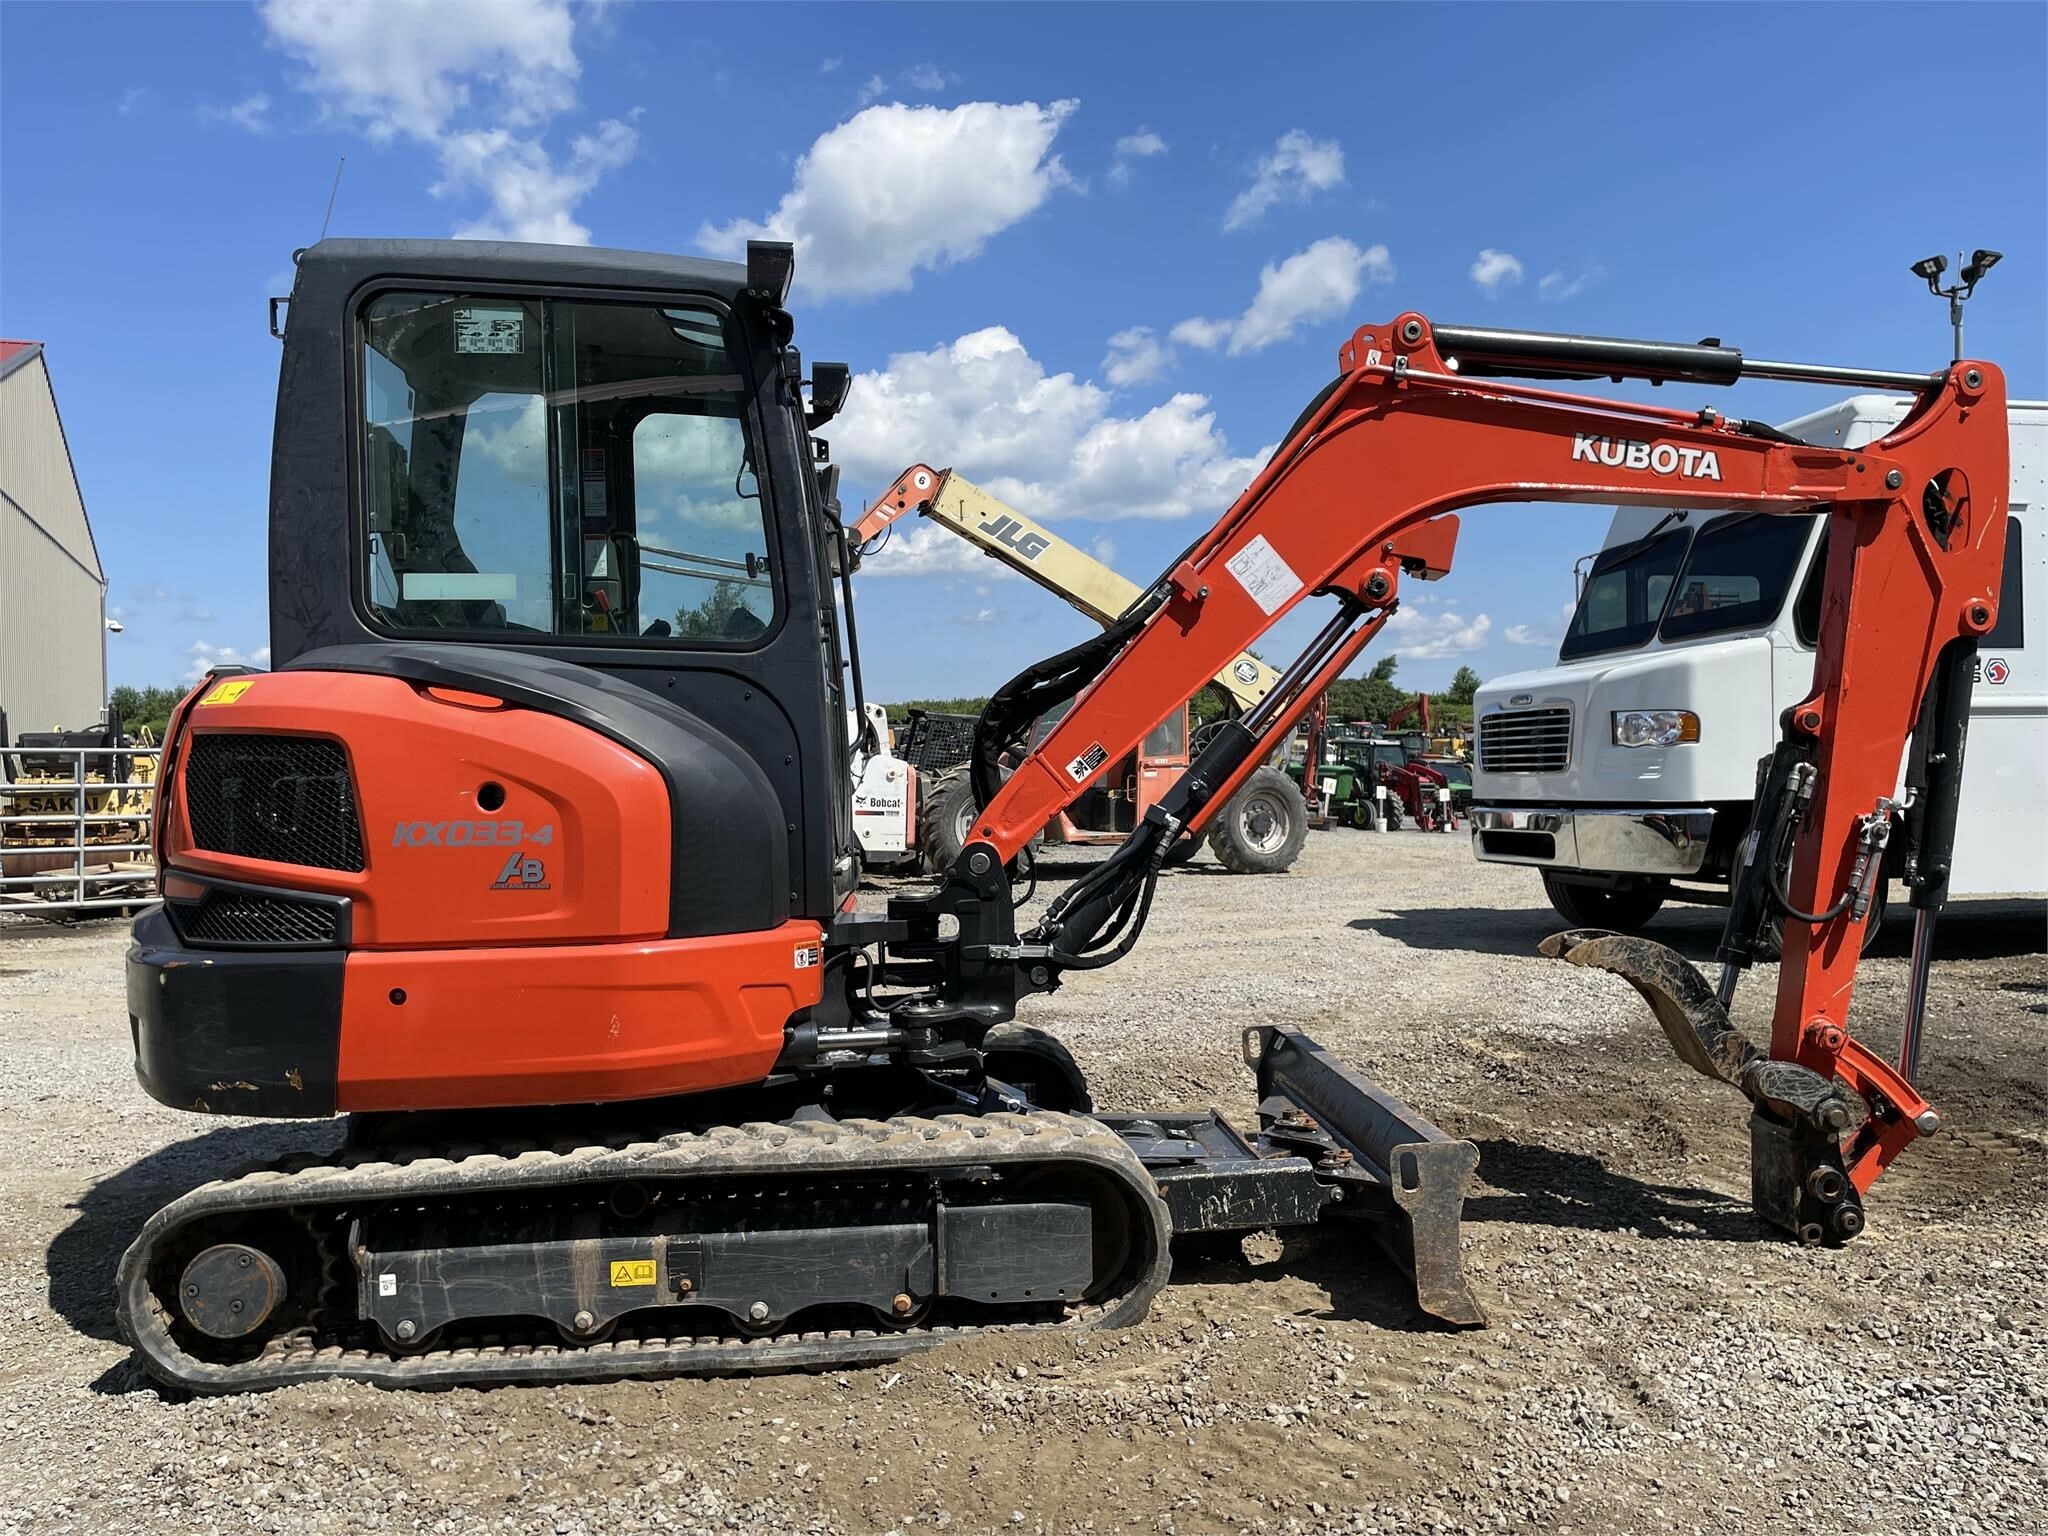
column 945, row 818
column 1261, row 830
column 1622, row 910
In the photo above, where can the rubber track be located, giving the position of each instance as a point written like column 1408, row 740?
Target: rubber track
column 800, row 1151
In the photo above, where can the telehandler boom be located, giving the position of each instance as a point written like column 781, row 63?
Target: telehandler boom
column 534, row 864
column 1034, row 552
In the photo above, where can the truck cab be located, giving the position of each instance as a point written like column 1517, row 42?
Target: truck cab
column 1626, row 774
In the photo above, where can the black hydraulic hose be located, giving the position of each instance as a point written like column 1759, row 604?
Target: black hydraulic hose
column 1777, row 868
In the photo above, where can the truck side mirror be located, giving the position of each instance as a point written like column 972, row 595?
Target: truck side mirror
column 829, row 385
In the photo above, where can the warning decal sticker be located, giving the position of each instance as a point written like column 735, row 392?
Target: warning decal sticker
column 227, row 693
column 1260, row 570
column 628, row 1272
column 1084, row 767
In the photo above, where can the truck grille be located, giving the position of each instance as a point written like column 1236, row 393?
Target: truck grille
column 287, row 799
column 1526, row 741
column 253, row 920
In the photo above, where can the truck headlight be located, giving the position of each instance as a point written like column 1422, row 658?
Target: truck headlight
column 1655, row 727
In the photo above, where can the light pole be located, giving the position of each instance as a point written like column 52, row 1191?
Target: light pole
column 1930, row 268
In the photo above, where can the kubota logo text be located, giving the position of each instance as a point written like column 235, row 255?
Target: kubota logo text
column 1659, row 458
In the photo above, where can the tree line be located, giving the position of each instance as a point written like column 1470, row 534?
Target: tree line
column 1371, row 697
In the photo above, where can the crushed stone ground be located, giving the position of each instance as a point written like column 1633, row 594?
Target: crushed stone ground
column 1652, row 1364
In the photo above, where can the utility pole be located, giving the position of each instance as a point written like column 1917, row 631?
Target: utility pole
column 1930, row 268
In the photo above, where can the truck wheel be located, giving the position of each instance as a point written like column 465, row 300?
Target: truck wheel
column 1771, row 945
column 1622, row 910
column 1261, row 830
column 945, row 818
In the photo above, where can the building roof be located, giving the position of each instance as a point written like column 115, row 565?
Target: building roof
column 56, row 500
column 14, row 353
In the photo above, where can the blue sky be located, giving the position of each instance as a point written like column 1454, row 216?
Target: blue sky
column 985, row 198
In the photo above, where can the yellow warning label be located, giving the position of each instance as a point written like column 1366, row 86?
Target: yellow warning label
column 228, row 692
column 627, row 1272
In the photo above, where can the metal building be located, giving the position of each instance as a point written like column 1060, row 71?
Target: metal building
column 53, row 591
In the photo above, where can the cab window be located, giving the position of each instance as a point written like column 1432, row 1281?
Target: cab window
column 560, row 467
column 1735, row 575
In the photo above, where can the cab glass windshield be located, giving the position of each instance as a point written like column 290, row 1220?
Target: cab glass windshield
column 559, row 467
column 1624, row 594
column 1736, row 575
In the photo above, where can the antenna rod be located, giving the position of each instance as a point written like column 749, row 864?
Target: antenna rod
column 331, row 194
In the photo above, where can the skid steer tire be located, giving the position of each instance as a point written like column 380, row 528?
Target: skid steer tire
column 945, row 818
column 1261, row 830
column 1036, row 1062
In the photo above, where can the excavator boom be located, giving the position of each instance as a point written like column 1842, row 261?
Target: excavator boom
column 1413, row 428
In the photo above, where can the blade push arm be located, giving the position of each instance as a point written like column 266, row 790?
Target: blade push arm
column 1036, row 553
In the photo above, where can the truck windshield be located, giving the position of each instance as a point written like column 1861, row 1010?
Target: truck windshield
column 560, row 467
column 1736, row 575
column 1625, row 595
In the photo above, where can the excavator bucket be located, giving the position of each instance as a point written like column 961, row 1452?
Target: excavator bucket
column 1798, row 1180
column 1691, row 1017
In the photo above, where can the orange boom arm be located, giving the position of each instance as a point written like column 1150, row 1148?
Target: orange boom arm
column 1360, row 492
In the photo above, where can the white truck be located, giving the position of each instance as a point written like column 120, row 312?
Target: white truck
column 1626, row 773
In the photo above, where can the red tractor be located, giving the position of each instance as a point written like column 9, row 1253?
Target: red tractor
column 1423, row 789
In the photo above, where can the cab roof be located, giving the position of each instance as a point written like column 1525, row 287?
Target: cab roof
column 511, row 261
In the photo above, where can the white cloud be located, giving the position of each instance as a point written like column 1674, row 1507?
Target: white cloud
column 1104, row 549
column 1130, row 149
column 132, row 100
column 251, row 114
column 826, row 66
column 916, row 547
column 1316, row 284
column 1136, row 357
column 477, row 81
column 896, row 190
column 979, row 616
column 531, row 196
column 202, row 656
column 1045, row 442
column 1418, row 635
column 920, row 79
column 1556, row 288
column 1297, row 169
column 1545, row 635
column 1495, row 270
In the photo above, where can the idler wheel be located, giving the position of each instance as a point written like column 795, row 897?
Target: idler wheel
column 230, row 1290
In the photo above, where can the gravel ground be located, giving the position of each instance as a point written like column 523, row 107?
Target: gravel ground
column 1652, row 1364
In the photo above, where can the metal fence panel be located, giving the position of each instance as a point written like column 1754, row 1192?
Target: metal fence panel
column 78, row 840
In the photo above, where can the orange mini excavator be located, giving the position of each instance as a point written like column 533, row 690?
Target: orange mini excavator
column 533, row 855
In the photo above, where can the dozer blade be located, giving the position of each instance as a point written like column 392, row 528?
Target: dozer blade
column 1406, row 1179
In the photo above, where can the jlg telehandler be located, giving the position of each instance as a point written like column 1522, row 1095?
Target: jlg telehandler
column 532, row 856
column 1259, row 832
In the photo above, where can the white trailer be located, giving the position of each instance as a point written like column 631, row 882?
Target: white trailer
column 1626, row 773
